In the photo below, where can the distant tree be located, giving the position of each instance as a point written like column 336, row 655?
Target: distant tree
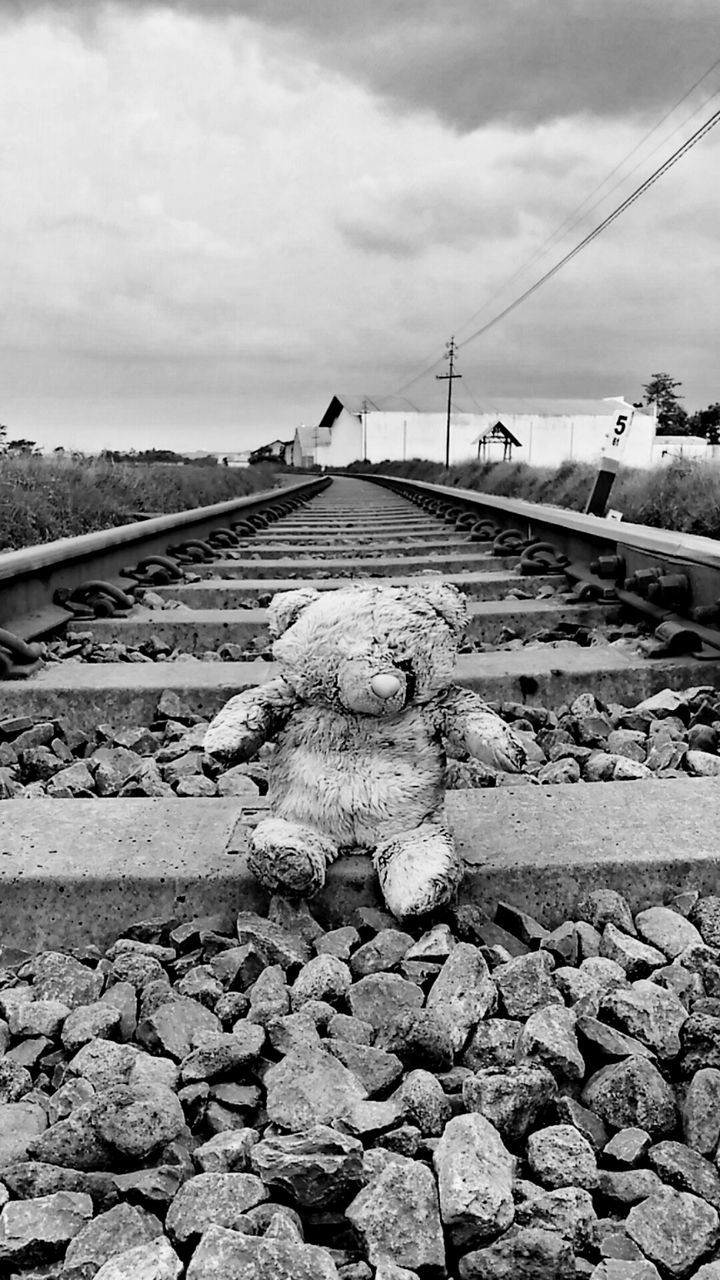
column 3, row 434
column 706, row 422
column 672, row 419
column 24, row 447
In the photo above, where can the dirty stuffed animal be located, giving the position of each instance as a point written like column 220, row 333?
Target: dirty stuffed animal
column 363, row 713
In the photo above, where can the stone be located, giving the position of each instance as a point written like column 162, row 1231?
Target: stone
column 705, row 915
column 269, row 996
column 600, row 1040
column 276, row 944
column 549, row 1037
column 563, row 943
column 559, row 1156
column 172, row 1028
column 700, row 1037
column 677, row 1165
column 135, row 1121
column 492, row 1044
column 463, row 992
column 31, row 1179
column 628, row 1147
column 567, row 1210
column 294, row 1031
column 37, row 1018
column 227, row 1152
column 156, row 1260
column 475, row 1176
column 212, row 1198
column 650, row 1013
column 338, row 942
column 73, row 1142
column 397, row 1217
column 424, row 1102
column 635, row 957
column 615, row 1269
column 310, row 1087
column 89, row 1022
column 315, row 1168
column 39, row 1230
column 512, row 1098
column 380, row 997
column 700, row 1112
column 219, row 1053
column 525, row 984
column 625, row 1187
column 107, row 1235
column 325, row 977
column 20, row 1124
column 381, row 954
column 632, row 1093
column 605, row 906
column 667, row 930
column 523, row 1253
column 62, row 978
column 375, row 1069
column 342, row 1026
column 233, row 1255
column 434, row 945
column 112, row 767
column 15, row 1081
column 674, row 1229
column 419, row 1037
column 569, row 1111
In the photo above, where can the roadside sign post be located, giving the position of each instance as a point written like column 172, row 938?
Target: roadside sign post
column 613, row 448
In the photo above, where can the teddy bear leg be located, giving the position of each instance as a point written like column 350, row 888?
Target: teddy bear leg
column 418, row 870
column 290, row 858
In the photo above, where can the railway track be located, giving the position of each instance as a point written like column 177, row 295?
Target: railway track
column 239, row 1088
column 545, row 630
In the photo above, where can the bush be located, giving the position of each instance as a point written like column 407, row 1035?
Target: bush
column 42, row 499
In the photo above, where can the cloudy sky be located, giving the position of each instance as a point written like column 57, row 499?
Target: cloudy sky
column 214, row 215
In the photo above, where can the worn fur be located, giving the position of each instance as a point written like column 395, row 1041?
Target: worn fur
column 362, row 715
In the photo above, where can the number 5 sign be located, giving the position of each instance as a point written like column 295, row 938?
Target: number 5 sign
column 612, row 449
column 616, row 438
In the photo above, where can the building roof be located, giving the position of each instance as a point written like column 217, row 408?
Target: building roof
column 508, row 405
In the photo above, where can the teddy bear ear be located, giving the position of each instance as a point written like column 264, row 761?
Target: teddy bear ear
column 286, row 607
column 450, row 603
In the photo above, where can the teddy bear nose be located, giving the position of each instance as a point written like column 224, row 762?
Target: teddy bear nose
column 385, row 686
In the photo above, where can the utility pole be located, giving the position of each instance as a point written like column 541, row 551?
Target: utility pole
column 449, row 377
column 363, row 416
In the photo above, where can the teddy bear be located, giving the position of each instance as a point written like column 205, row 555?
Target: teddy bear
column 363, row 714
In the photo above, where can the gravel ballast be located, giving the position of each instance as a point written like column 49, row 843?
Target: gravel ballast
column 259, row 1097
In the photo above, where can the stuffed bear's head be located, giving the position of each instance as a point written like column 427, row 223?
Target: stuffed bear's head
column 368, row 649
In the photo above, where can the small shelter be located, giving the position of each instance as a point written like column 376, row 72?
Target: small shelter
column 497, row 435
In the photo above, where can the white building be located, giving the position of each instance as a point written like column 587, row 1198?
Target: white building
column 546, row 432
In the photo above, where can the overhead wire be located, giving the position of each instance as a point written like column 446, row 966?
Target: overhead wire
column 576, row 215
column 602, row 226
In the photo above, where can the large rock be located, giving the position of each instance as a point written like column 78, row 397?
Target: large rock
column 463, row 992
column 424, row 1102
column 325, row 977
column 700, row 1111
column 397, row 1216
column 230, row 1255
column 567, row 1210
column 219, row 1198
column 61, row 977
column 73, row 1142
column 549, row 1037
column 375, row 1069
column 173, row 1027
column 667, row 930
column 316, row 1168
column 674, row 1229
column 523, row 1253
column 650, row 1013
column 108, row 1234
column 686, row 1170
column 525, row 984
column 512, row 1099
column 156, row 1260
column 380, row 997
column 559, row 1156
column 20, row 1124
column 276, row 944
column 135, row 1122
column 475, row 1178
column 637, row 958
column 219, row 1053
column 40, row 1230
column 310, row 1087
column 632, row 1093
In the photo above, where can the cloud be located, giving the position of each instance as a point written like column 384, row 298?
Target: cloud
column 473, row 62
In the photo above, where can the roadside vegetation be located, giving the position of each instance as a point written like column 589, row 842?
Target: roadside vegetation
column 43, row 498
column 684, row 495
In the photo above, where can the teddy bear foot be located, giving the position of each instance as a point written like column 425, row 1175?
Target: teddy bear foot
column 289, row 858
column 418, row 870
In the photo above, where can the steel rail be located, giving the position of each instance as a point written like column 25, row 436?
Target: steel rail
column 29, row 577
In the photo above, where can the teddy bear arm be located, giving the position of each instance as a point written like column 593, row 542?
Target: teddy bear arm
column 249, row 720
column 471, row 728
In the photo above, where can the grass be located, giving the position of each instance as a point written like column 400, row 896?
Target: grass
column 42, row 499
column 685, row 495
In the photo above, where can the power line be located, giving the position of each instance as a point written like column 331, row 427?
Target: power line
column 575, row 215
column 606, row 222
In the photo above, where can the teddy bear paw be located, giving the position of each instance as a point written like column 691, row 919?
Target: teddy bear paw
column 418, row 870
column 289, row 858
